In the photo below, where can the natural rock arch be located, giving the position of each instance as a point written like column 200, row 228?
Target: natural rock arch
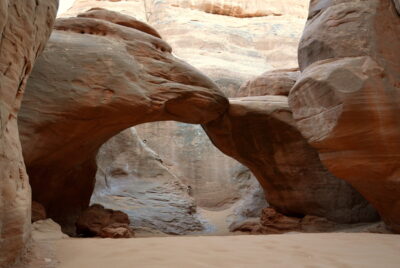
column 88, row 88
column 103, row 72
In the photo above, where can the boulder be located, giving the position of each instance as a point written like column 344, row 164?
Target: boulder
column 95, row 79
column 276, row 82
column 24, row 29
column 346, row 102
column 98, row 221
column 260, row 133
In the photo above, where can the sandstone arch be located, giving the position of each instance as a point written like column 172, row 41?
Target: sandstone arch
column 91, row 87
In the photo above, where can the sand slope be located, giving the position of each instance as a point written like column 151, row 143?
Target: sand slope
column 290, row 250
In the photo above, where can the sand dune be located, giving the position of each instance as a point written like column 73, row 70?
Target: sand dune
column 289, row 250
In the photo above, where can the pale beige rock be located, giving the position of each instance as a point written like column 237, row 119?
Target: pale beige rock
column 228, row 49
column 347, row 99
column 24, row 29
column 95, row 79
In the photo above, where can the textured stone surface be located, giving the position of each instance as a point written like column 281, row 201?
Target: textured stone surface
column 230, row 41
column 24, row 29
column 95, row 79
column 131, row 177
column 231, row 50
column 99, row 221
column 261, row 133
column 276, row 82
column 347, row 99
column 191, row 156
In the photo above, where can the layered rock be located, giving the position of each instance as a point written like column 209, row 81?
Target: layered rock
column 261, row 133
column 24, row 29
column 189, row 154
column 230, row 49
column 230, row 41
column 347, row 99
column 132, row 178
column 95, row 79
column 99, row 221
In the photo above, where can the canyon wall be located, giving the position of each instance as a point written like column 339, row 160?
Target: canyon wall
column 24, row 29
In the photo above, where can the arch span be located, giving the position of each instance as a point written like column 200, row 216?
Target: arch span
column 95, row 79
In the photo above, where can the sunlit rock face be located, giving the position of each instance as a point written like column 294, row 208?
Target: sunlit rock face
column 347, row 99
column 24, row 29
column 95, row 79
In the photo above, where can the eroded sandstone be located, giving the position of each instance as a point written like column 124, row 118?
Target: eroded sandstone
column 24, row 29
column 260, row 133
column 347, row 99
column 95, row 79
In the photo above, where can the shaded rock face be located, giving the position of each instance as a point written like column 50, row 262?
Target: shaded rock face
column 95, row 79
column 189, row 154
column 38, row 212
column 261, row 133
column 132, row 178
column 99, row 221
column 347, row 99
column 24, row 29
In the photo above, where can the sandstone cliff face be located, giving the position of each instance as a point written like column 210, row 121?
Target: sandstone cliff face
column 24, row 29
column 347, row 99
column 261, row 133
column 131, row 177
column 95, row 79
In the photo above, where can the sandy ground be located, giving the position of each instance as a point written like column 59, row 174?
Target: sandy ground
column 290, row 250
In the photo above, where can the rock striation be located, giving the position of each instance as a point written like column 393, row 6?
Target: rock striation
column 347, row 99
column 24, row 29
column 95, row 79
column 260, row 132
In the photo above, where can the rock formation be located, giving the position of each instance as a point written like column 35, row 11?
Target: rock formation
column 214, row 36
column 24, row 29
column 276, row 82
column 132, row 178
column 347, row 99
column 95, row 79
column 99, row 221
column 261, row 133
column 230, row 41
